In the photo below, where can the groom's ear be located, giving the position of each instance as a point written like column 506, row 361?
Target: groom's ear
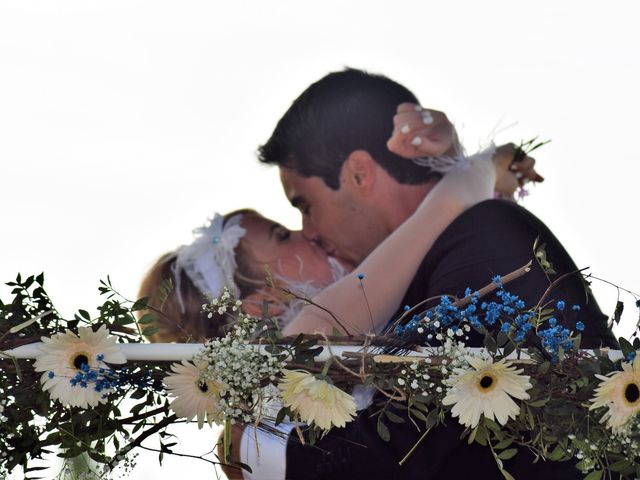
column 359, row 171
column 254, row 304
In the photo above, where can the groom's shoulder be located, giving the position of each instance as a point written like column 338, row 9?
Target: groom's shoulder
column 491, row 217
column 495, row 211
column 488, row 229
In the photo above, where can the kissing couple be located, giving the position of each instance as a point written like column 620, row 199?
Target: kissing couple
column 390, row 203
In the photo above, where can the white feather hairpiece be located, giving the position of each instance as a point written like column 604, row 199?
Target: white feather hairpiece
column 209, row 261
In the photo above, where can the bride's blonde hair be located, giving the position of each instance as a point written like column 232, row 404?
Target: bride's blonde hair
column 179, row 315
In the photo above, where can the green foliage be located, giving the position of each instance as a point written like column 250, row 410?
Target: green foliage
column 555, row 422
column 36, row 425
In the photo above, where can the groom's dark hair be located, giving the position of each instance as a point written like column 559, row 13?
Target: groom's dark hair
column 340, row 113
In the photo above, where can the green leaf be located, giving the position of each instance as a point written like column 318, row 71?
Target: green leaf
column 472, row 435
column 147, row 318
column 541, row 257
column 313, row 435
column 393, row 417
column 617, row 313
column 577, row 341
column 481, row 436
column 506, row 474
column 490, row 343
column 383, row 431
column 507, row 454
column 137, row 408
column 625, row 346
column 126, row 320
column 492, row 425
column 84, row 314
column 280, row 416
column 503, row 444
column 508, row 349
column 418, row 414
column 149, row 331
column 432, row 418
column 164, row 290
column 595, row 475
column 140, row 304
column 264, row 309
column 623, row 466
column 557, row 453
column 138, row 394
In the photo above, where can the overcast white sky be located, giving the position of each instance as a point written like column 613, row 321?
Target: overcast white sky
column 124, row 124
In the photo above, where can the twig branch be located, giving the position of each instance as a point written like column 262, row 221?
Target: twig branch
column 554, row 284
column 165, row 422
column 201, row 457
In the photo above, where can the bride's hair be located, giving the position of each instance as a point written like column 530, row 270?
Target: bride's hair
column 179, row 313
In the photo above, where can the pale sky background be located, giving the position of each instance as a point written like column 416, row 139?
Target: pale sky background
column 124, row 124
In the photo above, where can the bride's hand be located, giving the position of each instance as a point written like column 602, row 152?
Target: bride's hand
column 513, row 169
column 420, row 132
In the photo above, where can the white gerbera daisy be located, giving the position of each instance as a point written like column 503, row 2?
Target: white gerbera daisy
column 195, row 396
column 620, row 392
column 316, row 401
column 487, row 389
column 62, row 358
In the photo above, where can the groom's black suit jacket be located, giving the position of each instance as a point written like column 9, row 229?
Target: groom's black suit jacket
column 494, row 237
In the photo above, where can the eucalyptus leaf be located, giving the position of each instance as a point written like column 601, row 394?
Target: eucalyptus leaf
column 625, row 346
column 149, row 331
column 557, row 453
column 383, row 430
column 418, row 414
column 503, row 444
column 617, row 313
column 623, row 466
column 147, row 318
column 595, row 475
column 507, row 454
column 506, row 474
column 395, row 418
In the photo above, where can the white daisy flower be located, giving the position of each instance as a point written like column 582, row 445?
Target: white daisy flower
column 62, row 358
column 620, row 392
column 316, row 401
column 486, row 389
column 195, row 396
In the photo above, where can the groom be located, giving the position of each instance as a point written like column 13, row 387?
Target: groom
column 330, row 147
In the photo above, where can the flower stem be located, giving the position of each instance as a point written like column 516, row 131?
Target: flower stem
column 406, row 457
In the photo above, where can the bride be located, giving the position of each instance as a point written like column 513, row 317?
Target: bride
column 236, row 251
